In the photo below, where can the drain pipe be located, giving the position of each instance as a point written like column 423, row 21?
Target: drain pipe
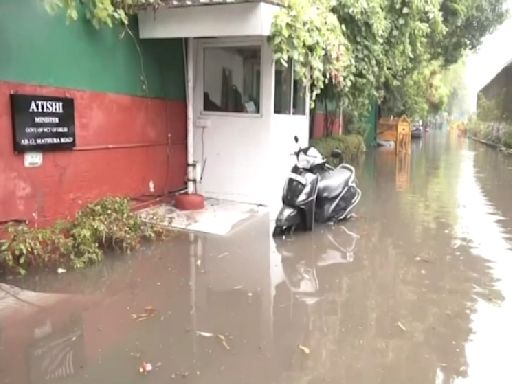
column 191, row 200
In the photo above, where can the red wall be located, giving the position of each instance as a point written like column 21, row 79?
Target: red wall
column 320, row 128
column 137, row 128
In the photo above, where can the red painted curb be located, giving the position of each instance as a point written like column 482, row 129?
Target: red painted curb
column 189, row 202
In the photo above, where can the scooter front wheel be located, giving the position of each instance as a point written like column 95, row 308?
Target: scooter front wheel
column 280, row 231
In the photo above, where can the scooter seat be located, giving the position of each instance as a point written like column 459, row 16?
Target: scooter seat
column 332, row 183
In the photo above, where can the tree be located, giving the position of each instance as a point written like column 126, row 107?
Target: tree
column 398, row 50
column 308, row 34
column 467, row 22
column 391, row 51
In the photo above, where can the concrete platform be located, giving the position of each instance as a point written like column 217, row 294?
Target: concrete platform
column 219, row 217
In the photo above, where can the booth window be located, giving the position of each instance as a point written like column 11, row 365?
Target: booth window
column 232, row 78
column 289, row 92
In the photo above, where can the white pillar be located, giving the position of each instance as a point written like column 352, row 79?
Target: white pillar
column 190, row 115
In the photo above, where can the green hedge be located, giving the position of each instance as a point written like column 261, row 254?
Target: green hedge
column 351, row 146
column 496, row 133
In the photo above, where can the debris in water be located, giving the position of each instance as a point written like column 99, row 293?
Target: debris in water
column 205, row 334
column 238, row 287
column 145, row 368
column 61, row 270
column 149, row 311
column 223, row 254
column 422, row 259
column 401, row 326
column 222, row 338
column 182, row 374
column 456, row 244
column 219, row 336
column 304, row 349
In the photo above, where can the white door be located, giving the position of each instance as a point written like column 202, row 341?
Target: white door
column 232, row 109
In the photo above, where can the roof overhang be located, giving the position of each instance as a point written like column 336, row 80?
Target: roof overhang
column 238, row 19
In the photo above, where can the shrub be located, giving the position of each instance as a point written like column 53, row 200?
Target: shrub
column 507, row 138
column 108, row 224
column 35, row 248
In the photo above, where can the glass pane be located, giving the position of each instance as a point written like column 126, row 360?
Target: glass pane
column 282, row 89
column 299, row 97
column 232, row 79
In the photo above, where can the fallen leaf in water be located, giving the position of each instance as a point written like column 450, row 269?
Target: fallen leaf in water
column 222, row 338
column 149, row 311
column 205, row 334
column 456, row 243
column 145, row 368
column 401, row 326
column 304, row 349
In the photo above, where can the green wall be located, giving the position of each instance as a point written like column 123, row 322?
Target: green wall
column 38, row 48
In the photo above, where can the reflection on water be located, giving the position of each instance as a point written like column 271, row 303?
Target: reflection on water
column 412, row 291
column 479, row 224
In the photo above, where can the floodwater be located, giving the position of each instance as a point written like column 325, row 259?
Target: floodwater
column 416, row 289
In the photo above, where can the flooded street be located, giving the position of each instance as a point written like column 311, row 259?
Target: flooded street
column 416, row 289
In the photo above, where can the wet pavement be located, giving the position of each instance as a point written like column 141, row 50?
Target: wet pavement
column 416, row 289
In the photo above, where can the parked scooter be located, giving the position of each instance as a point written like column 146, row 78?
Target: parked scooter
column 316, row 192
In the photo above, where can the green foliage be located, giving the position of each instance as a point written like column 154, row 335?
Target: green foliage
column 99, row 12
column 308, row 33
column 108, row 224
column 489, row 110
column 351, row 146
column 466, row 22
column 396, row 51
column 492, row 132
column 35, row 248
column 506, row 140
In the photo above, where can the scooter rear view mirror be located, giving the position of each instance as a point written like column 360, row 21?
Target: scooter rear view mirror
column 336, row 154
